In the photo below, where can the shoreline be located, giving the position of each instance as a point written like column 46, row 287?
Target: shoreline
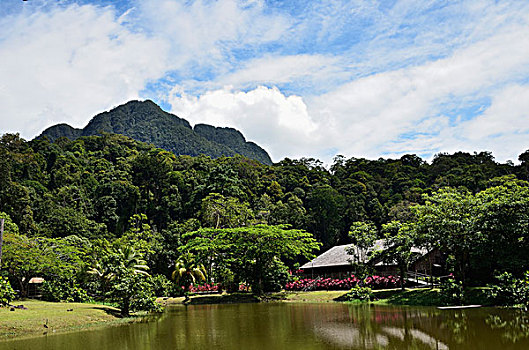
column 46, row 318
column 43, row 318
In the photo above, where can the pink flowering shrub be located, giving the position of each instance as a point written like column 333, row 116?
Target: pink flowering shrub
column 212, row 288
column 204, row 288
column 373, row 282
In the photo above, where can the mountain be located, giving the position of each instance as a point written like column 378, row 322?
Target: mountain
column 147, row 122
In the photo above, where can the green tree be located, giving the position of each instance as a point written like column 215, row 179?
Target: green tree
column 447, row 221
column 129, row 280
column 188, row 271
column 221, row 212
column 250, row 253
column 400, row 239
column 363, row 236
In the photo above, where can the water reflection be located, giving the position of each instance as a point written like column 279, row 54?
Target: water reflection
column 304, row 326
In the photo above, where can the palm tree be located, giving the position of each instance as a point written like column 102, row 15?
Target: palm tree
column 131, row 260
column 117, row 261
column 188, row 271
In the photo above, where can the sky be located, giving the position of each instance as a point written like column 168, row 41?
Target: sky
column 301, row 78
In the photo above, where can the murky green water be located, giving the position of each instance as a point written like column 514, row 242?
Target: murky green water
column 303, row 326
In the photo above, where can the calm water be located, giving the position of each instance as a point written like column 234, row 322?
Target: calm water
column 303, row 326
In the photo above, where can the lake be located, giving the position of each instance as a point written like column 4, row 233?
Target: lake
column 302, row 326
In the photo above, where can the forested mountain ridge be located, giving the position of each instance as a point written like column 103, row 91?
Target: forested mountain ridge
column 146, row 122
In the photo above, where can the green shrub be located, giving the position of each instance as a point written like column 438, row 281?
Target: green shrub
column 510, row 291
column 452, row 292
column 7, row 294
column 359, row 293
column 134, row 292
column 162, row 286
column 276, row 276
column 62, row 290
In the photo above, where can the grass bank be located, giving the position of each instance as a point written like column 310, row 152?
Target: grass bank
column 428, row 297
column 410, row 297
column 42, row 317
column 320, row 296
column 212, row 299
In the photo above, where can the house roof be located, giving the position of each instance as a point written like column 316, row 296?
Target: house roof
column 339, row 256
column 36, row 280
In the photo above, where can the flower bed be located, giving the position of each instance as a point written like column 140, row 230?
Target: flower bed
column 373, row 282
column 213, row 288
column 206, row 288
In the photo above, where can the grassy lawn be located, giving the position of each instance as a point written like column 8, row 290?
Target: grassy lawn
column 320, row 296
column 411, row 297
column 30, row 322
column 415, row 297
column 223, row 298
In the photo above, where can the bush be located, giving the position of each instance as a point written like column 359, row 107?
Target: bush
column 205, row 288
column 134, row 292
column 7, row 294
column 64, row 290
column 452, row 292
column 510, row 291
column 359, row 293
column 275, row 276
column 374, row 282
column 162, row 286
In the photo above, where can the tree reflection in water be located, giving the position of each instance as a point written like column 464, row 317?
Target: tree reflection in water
column 373, row 327
column 514, row 327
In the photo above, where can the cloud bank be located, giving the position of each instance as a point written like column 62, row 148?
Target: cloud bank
column 301, row 78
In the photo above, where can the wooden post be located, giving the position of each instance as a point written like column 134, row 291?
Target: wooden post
column 1, row 239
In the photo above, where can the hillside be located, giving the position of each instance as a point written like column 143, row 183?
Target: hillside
column 147, row 122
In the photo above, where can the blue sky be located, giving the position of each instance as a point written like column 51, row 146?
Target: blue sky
column 301, row 78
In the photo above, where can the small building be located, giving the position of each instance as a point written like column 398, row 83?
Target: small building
column 34, row 287
column 340, row 261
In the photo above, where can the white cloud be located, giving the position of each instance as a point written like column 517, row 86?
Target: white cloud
column 370, row 114
column 274, row 70
column 205, row 32
column 68, row 63
column 394, row 76
column 278, row 123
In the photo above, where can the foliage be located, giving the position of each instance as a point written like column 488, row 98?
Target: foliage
column 64, row 290
column 162, row 286
column 188, row 271
column 452, row 292
column 221, row 212
column 110, row 188
column 359, row 293
column 123, row 277
column 7, row 294
column 400, row 239
column 134, row 292
column 249, row 253
column 204, row 288
column 276, row 276
column 373, row 282
column 26, row 257
column 323, row 284
column 510, row 291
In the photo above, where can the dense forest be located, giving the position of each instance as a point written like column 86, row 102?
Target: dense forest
column 87, row 192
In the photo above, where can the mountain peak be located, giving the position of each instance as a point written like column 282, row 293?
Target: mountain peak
column 145, row 121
